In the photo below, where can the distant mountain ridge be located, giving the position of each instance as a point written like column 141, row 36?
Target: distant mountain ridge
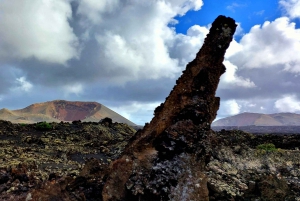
column 258, row 119
column 62, row 110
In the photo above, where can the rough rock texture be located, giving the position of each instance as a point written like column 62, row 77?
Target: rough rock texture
column 165, row 160
column 239, row 171
column 48, row 159
column 71, row 162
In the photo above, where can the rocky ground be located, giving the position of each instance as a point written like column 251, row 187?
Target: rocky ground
column 70, row 162
column 238, row 170
column 31, row 156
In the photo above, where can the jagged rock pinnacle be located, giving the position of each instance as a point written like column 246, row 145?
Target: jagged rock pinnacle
column 165, row 158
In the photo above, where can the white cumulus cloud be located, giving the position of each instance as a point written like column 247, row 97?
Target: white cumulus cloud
column 23, row 84
column 288, row 104
column 291, row 7
column 93, row 9
column 37, row 28
column 75, row 88
column 135, row 40
column 273, row 43
column 230, row 79
column 184, row 47
column 229, row 108
column 137, row 112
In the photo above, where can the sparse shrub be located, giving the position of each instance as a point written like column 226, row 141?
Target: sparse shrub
column 43, row 126
column 267, row 147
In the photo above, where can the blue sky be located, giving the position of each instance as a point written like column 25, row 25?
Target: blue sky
column 127, row 54
column 248, row 13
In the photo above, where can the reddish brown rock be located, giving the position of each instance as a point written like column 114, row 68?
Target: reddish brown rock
column 61, row 110
column 165, row 160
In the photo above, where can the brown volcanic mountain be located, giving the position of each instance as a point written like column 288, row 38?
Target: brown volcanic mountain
column 257, row 119
column 61, row 110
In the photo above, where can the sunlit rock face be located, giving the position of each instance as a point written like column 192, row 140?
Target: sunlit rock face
column 165, row 160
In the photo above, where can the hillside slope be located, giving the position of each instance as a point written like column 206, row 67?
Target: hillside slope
column 61, row 110
column 257, row 119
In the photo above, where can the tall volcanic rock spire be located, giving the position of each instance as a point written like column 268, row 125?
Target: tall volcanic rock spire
column 165, row 160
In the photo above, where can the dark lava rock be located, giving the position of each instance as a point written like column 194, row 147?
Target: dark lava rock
column 33, row 160
column 165, row 160
column 4, row 177
column 106, row 121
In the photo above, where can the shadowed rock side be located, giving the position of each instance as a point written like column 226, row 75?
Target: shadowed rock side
column 165, row 160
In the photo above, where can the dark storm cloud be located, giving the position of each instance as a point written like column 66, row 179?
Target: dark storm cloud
column 146, row 91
